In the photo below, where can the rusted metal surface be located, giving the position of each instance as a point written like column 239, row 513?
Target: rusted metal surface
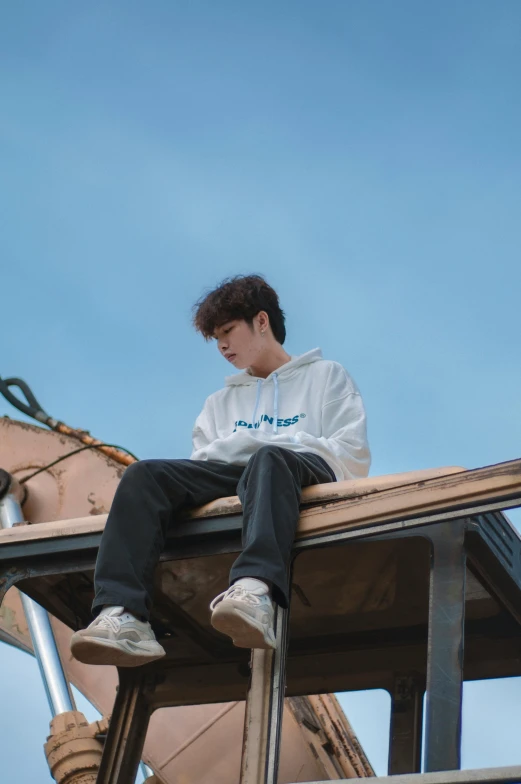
column 85, row 438
column 83, row 485
column 339, row 738
column 73, row 748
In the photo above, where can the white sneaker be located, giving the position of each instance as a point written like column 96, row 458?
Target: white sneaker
column 245, row 616
column 116, row 637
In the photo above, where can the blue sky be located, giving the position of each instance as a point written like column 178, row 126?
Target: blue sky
column 363, row 156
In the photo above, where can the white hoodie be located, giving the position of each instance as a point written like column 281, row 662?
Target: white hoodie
column 309, row 404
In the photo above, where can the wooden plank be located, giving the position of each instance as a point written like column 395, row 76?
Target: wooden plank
column 334, row 491
column 457, row 490
column 58, row 528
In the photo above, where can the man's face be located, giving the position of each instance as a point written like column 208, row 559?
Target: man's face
column 238, row 343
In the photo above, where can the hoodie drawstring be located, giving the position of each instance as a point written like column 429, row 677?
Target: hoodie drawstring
column 254, row 417
column 275, row 402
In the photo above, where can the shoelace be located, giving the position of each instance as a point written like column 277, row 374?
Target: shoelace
column 111, row 622
column 237, row 592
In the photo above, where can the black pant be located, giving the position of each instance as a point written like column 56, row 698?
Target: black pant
column 152, row 491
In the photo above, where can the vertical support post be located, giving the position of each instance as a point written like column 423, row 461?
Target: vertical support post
column 127, row 728
column 264, row 709
column 445, row 648
column 405, row 739
column 56, row 685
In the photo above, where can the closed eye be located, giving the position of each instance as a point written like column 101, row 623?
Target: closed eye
column 225, row 332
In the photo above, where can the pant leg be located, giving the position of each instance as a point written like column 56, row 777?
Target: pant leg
column 146, row 501
column 270, row 491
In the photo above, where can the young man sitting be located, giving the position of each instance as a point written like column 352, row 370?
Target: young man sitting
column 284, row 423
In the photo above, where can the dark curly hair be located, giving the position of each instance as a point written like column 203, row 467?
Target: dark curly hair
column 241, row 297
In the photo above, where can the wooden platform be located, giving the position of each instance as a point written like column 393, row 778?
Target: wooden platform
column 349, row 603
column 336, row 505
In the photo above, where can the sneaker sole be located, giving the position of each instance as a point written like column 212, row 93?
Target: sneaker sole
column 97, row 651
column 243, row 630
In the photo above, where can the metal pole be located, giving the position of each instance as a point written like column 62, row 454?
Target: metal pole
column 146, row 771
column 128, row 726
column 45, row 649
column 264, row 707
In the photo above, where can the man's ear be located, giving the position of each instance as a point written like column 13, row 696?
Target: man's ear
column 263, row 320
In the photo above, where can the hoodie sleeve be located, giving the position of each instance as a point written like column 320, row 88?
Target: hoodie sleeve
column 203, row 432
column 344, row 430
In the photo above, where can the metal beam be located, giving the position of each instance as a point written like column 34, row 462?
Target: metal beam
column 445, row 648
column 510, row 775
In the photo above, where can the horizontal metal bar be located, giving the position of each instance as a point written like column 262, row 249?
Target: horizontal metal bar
column 37, row 547
column 510, row 775
column 376, row 529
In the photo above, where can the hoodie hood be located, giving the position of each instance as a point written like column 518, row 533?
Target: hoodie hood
column 286, row 371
